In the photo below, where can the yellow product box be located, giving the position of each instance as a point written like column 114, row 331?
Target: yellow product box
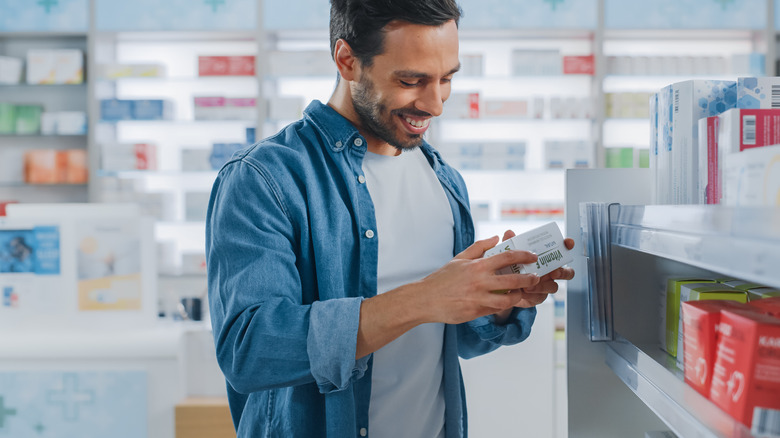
column 671, row 314
column 703, row 292
column 759, row 293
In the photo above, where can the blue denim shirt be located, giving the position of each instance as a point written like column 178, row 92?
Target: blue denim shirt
column 289, row 262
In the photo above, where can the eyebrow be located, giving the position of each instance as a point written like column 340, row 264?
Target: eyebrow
column 412, row 74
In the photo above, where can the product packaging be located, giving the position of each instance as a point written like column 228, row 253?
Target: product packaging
column 745, row 380
column 700, row 322
column 28, row 119
column 10, row 70
column 769, row 306
column 760, row 293
column 124, row 157
column 671, row 312
column 758, row 92
column 703, row 292
column 752, row 177
column 112, row 110
column 545, row 241
column 7, row 118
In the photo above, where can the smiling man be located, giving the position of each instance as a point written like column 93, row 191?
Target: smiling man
column 344, row 280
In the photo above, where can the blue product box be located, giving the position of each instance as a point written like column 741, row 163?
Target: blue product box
column 112, row 110
column 222, row 152
column 250, row 136
column 151, row 109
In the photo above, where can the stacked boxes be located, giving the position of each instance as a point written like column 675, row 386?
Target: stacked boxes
column 112, row 110
column 50, row 166
column 226, row 65
column 10, row 70
column 61, row 66
column 124, row 157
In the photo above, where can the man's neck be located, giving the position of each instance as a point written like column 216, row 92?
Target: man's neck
column 341, row 102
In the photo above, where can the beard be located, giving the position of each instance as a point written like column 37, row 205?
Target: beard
column 379, row 122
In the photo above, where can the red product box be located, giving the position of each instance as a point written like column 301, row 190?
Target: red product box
column 769, row 306
column 213, row 66
column 474, row 105
column 40, row 166
column 3, row 204
column 740, row 129
column 72, row 164
column 145, row 156
column 579, row 65
column 746, row 377
column 700, row 322
column 241, row 65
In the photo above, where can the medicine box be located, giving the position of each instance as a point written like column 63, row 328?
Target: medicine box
column 700, row 322
column 545, row 241
column 208, row 107
column 710, row 191
column 28, row 119
column 752, row 177
column 112, row 110
column 10, row 70
column 703, row 292
column 671, row 314
column 151, row 109
column 758, row 92
column 760, row 293
column 744, row 380
column 123, row 157
column 61, row 66
column 769, row 306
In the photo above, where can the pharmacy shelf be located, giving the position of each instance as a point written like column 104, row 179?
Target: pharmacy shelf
column 44, row 35
column 739, row 242
column 652, row 376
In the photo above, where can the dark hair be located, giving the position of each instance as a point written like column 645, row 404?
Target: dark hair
column 361, row 23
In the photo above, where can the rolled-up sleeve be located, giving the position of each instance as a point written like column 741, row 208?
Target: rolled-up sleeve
column 483, row 335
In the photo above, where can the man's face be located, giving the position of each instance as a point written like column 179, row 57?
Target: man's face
column 406, row 85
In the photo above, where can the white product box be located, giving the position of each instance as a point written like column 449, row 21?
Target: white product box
column 124, row 157
column 285, row 108
column 504, row 109
column 462, row 106
column 301, row 63
column 49, row 123
column 193, row 263
column 654, row 146
column 71, row 122
column 209, row 107
column 116, row 71
column 240, row 108
column 759, row 92
column 10, row 70
column 567, row 154
column 752, row 177
column 62, row 66
column 536, row 62
column 537, row 107
column 689, row 102
column 196, row 160
column 545, row 241
column 471, row 64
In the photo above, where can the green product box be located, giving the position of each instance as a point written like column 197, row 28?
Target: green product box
column 619, row 157
column 7, row 118
column 28, row 119
column 700, row 292
column 644, row 158
column 671, row 315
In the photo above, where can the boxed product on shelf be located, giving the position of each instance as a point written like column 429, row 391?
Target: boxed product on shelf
column 222, row 152
column 117, row 71
column 619, row 157
column 122, row 157
column 745, row 380
column 627, row 105
column 195, row 206
column 112, row 110
column 709, row 167
column 471, row 64
column 760, row 293
column 752, row 177
column 768, row 305
column 758, row 92
column 579, row 65
column 670, row 310
column 462, row 106
column 541, row 62
column 193, row 263
column 226, row 65
column 240, row 108
column 4, row 204
column 300, row 63
column 64, row 123
column 59, row 66
column 537, row 107
column 28, row 119
column 703, row 292
column 284, row 108
column 40, row 166
column 504, row 108
column 208, row 107
column 74, row 166
column 250, row 135
column 196, row 160
column 7, row 118
column 151, row 109
column 571, row 107
column 10, row 70
column 700, row 322
column 567, row 154
column 684, row 103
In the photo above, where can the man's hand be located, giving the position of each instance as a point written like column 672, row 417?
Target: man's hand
column 535, row 295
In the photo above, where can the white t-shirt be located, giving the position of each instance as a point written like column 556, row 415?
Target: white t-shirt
column 415, row 231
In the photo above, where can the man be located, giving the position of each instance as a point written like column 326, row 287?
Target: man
column 337, row 307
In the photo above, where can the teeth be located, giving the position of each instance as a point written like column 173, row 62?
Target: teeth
column 417, row 123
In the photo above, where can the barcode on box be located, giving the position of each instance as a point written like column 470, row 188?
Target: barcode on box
column 748, row 129
column 775, row 96
column 676, row 101
column 766, row 422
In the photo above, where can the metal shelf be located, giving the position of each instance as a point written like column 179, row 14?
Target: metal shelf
column 663, row 390
column 740, row 242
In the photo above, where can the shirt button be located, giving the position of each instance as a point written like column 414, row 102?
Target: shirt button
column 369, row 234
column 358, row 142
column 338, row 144
column 363, row 431
column 362, row 179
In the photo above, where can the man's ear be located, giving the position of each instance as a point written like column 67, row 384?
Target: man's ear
column 346, row 62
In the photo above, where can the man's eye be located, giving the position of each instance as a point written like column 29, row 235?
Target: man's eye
column 409, row 84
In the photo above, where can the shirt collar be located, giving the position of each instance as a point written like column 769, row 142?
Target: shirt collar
column 338, row 131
